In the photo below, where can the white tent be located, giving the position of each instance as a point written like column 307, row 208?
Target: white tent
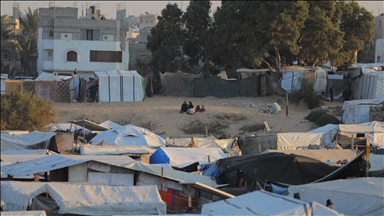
column 329, row 132
column 129, row 135
column 373, row 85
column 377, row 162
column 182, row 157
column 375, row 130
column 291, row 76
column 120, row 86
column 265, row 203
column 357, row 111
column 51, row 77
column 360, row 196
column 24, row 213
column 109, row 124
column 113, row 150
column 33, row 140
column 86, row 199
column 291, row 141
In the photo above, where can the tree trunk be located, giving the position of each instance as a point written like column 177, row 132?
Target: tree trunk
column 278, row 60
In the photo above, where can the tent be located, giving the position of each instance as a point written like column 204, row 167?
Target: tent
column 33, row 140
column 129, row 135
column 374, row 129
column 109, row 124
column 182, row 157
column 113, row 150
column 359, row 196
column 291, row 76
column 24, row 213
column 358, row 111
column 85, row 199
column 292, row 141
column 265, row 203
column 373, row 85
column 120, row 86
column 178, row 84
column 329, row 133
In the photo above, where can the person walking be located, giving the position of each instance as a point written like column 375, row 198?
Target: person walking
column 331, row 92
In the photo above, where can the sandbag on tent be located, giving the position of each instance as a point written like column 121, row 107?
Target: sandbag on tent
column 86, row 199
column 33, row 140
column 264, row 203
column 359, row 196
column 129, row 135
column 119, row 86
column 182, row 157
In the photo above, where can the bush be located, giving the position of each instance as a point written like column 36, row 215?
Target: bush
column 327, row 119
column 198, row 127
column 314, row 115
column 24, row 111
column 305, row 93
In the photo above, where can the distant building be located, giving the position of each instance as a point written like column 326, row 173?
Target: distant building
column 379, row 39
column 92, row 43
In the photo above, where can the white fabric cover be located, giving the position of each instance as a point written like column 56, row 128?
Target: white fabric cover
column 182, row 157
column 111, row 179
column 265, row 203
column 24, row 213
column 129, row 135
column 23, row 141
column 357, row 111
column 86, row 199
column 320, row 81
column 117, row 85
column 28, row 152
column 329, row 132
column 291, row 80
column 290, row 141
column 109, row 124
column 368, row 127
column 376, row 161
column 360, row 196
column 51, row 77
column 114, row 149
column 373, row 85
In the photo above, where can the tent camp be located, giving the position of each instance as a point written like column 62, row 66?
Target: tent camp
column 129, row 135
column 84, row 199
column 183, row 157
column 120, row 86
column 33, row 140
column 359, row 196
column 358, row 111
column 265, row 203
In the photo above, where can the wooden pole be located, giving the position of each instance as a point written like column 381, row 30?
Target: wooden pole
column 352, row 142
column 36, row 177
column 367, row 156
column 206, row 131
column 209, row 159
column 189, row 197
column 286, row 104
column 150, row 126
column 162, row 177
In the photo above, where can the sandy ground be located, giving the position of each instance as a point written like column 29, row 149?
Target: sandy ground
column 163, row 112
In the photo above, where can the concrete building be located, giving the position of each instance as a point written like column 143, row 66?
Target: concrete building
column 379, row 39
column 148, row 20
column 93, row 43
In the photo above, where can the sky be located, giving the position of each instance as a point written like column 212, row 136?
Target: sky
column 139, row 7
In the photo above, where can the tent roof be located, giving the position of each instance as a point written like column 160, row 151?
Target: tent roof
column 109, row 124
column 51, row 77
column 24, row 213
column 23, row 141
column 266, row 204
column 86, row 199
column 368, row 127
column 113, row 149
column 89, row 125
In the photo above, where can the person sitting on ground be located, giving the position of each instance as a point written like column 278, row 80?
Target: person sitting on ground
column 197, row 109
column 190, row 105
column 202, row 109
column 184, row 107
column 191, row 111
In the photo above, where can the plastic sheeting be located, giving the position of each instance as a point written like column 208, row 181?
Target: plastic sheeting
column 116, row 86
column 86, row 199
column 373, row 85
column 264, row 203
column 24, row 213
column 357, row 111
column 109, row 124
column 114, row 149
column 182, row 157
column 329, row 131
column 33, row 140
column 129, row 135
column 290, row 141
column 360, row 196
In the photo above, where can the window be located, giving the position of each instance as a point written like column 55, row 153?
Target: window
column 379, row 24
column 5, row 56
column 72, row 56
column 50, row 33
column 105, row 56
column 89, row 34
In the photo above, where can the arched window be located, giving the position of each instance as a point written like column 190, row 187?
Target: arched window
column 72, row 56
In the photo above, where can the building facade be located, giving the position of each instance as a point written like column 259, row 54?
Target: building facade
column 379, row 38
column 66, row 43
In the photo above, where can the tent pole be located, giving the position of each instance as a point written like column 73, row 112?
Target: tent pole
column 352, row 142
column 162, row 176
column 367, row 152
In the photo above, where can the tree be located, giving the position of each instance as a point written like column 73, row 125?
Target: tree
column 198, row 23
column 166, row 41
column 321, row 36
column 7, row 27
column 24, row 111
column 26, row 42
column 357, row 25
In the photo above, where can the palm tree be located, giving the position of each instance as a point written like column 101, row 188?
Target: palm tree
column 26, row 42
column 7, row 27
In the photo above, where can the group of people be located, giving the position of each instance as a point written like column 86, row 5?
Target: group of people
column 190, row 109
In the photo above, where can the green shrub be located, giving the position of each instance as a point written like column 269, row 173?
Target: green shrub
column 22, row 110
column 327, row 119
column 314, row 115
column 305, row 93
